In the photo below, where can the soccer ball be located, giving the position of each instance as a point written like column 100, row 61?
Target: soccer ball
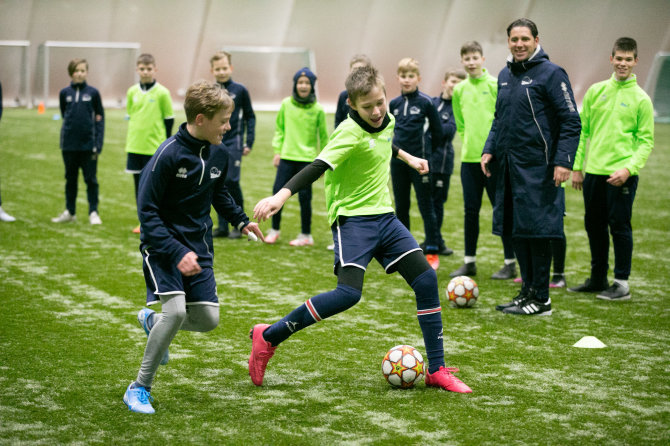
column 462, row 291
column 402, row 366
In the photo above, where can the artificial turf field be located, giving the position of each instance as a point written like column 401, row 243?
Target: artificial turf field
column 70, row 342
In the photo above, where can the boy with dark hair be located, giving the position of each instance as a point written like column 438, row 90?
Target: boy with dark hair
column 415, row 114
column 474, row 106
column 242, row 123
column 442, row 160
column 357, row 61
column 533, row 140
column 618, row 124
column 181, row 183
column 355, row 163
column 149, row 108
column 81, row 139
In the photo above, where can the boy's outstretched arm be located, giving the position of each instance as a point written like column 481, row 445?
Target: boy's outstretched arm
column 269, row 206
column 416, row 163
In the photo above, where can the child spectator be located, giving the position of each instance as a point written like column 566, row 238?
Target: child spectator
column 300, row 132
column 242, row 122
column 359, row 60
column 618, row 125
column 474, row 105
column 149, row 108
column 413, row 110
column 356, row 167
column 81, row 139
column 442, row 160
column 176, row 236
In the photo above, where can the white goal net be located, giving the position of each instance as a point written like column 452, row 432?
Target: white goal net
column 111, row 69
column 15, row 73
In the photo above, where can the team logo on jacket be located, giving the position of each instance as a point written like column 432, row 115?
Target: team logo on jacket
column 372, row 143
column 414, row 110
column 181, row 172
column 526, row 81
column 68, row 98
column 445, row 116
column 566, row 95
column 86, row 98
column 214, row 172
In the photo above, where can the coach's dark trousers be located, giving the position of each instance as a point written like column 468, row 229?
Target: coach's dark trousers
column 608, row 206
column 88, row 162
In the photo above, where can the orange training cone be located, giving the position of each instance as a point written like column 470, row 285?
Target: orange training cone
column 40, row 108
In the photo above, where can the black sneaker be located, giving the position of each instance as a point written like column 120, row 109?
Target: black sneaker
column 466, row 269
column 590, row 287
column 508, row 271
column 519, row 298
column 615, row 292
column 218, row 232
column 530, row 306
column 444, row 250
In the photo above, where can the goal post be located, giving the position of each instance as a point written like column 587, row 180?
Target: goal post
column 15, row 72
column 267, row 71
column 111, row 69
column 658, row 86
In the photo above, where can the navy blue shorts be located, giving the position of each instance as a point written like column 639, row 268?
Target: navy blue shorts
column 360, row 239
column 136, row 162
column 163, row 278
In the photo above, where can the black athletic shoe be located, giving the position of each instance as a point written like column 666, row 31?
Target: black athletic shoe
column 530, row 306
column 466, row 269
column 444, row 250
column 523, row 294
column 590, row 287
column 615, row 292
column 218, row 232
column 508, row 271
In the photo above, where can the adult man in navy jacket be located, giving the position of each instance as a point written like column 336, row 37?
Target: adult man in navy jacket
column 533, row 138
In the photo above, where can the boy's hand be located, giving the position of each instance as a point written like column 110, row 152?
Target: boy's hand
column 246, row 151
column 419, row 164
column 619, row 177
column 275, row 160
column 269, row 206
column 253, row 229
column 486, row 159
column 577, row 179
column 188, row 265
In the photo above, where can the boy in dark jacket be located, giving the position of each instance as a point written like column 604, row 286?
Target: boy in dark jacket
column 81, row 140
column 183, row 180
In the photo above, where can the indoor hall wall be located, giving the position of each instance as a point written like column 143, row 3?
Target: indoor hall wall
column 183, row 34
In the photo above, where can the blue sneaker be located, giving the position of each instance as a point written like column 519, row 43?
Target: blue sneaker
column 143, row 319
column 138, row 400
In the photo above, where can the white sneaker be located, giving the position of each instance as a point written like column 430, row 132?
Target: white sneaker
column 302, row 240
column 64, row 217
column 4, row 216
column 330, row 247
column 272, row 237
column 94, row 218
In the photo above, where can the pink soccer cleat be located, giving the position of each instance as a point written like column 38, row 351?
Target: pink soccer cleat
column 261, row 352
column 443, row 378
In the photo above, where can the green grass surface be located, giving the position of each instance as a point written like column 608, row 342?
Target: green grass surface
column 70, row 343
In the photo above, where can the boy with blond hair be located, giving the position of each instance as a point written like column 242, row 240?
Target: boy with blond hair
column 474, row 104
column 355, row 163
column 415, row 114
column 242, row 124
column 151, row 117
column 184, row 179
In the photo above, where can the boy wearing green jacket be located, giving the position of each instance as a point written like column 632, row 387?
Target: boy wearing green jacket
column 618, row 123
column 474, row 103
column 300, row 134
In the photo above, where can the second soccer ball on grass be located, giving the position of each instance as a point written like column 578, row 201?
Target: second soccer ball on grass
column 462, row 291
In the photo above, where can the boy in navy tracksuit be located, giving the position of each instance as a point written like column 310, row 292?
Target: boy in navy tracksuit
column 342, row 110
column 412, row 111
column 81, row 140
column 242, row 120
column 183, row 180
column 442, row 159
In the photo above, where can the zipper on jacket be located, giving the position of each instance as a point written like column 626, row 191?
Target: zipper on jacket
column 404, row 111
column 202, row 161
column 532, row 110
